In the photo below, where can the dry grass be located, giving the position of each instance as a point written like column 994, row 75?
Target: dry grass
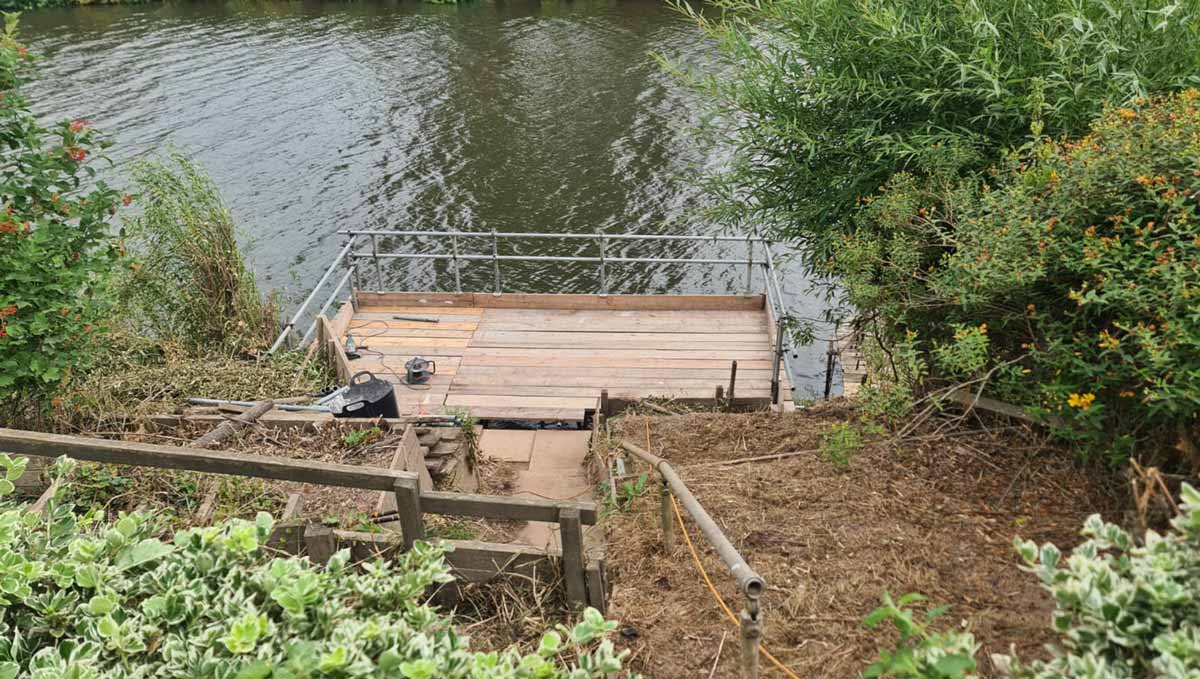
column 934, row 515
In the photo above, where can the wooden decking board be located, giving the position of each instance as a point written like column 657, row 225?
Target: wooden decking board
column 559, row 301
column 547, row 357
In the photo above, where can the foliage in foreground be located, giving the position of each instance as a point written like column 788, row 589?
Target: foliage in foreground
column 1122, row 610
column 1068, row 283
column 89, row 600
column 827, row 99
column 57, row 249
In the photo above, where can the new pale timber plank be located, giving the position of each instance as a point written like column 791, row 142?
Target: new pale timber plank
column 549, row 402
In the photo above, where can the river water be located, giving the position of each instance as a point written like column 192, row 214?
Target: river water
column 382, row 114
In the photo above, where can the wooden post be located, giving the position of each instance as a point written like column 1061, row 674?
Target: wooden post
column 571, row 532
column 604, row 403
column 229, row 427
column 597, row 591
column 719, row 397
column 732, row 381
column 292, row 508
column 320, row 543
column 666, row 517
column 408, row 508
column 751, row 630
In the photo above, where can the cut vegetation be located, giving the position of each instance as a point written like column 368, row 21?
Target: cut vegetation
column 832, row 530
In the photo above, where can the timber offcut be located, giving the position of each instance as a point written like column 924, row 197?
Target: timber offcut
column 535, row 357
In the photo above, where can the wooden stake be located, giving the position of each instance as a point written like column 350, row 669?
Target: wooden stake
column 408, row 508
column 732, row 381
column 571, row 532
column 320, row 543
column 230, row 427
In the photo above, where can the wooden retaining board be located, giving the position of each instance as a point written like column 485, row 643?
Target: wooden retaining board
column 547, row 357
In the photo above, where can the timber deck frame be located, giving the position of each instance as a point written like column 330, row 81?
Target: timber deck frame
column 554, row 357
column 532, row 357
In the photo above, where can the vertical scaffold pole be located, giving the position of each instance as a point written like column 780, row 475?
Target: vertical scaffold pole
column 496, row 261
column 457, row 274
column 603, row 268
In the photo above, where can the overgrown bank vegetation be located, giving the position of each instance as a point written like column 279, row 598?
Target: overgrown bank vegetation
column 105, row 316
column 1005, row 195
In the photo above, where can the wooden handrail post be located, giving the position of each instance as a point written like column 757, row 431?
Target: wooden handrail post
column 408, row 508
column 571, row 533
column 666, row 517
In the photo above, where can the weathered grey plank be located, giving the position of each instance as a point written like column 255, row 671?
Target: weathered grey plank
column 20, row 442
column 502, row 507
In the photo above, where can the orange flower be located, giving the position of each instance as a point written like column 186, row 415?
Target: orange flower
column 126, row 200
column 77, row 154
column 8, row 310
column 78, row 125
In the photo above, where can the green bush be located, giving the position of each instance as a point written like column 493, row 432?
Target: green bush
column 89, row 600
column 57, row 248
column 1122, row 610
column 920, row 652
column 1068, row 283
column 827, row 99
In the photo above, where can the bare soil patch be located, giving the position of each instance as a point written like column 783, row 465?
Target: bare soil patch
column 934, row 514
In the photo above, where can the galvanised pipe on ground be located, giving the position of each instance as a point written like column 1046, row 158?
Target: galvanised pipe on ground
column 749, row 582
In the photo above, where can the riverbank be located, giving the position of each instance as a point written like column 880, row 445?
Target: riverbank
column 831, row 527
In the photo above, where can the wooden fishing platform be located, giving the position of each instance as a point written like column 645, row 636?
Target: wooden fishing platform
column 548, row 357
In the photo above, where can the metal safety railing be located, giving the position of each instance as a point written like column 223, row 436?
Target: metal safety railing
column 758, row 256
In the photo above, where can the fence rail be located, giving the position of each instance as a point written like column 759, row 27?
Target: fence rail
column 412, row 503
column 364, row 248
column 749, row 582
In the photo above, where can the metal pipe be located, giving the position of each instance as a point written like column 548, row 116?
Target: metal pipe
column 514, row 234
column 779, row 354
column 781, row 314
column 325, row 307
column 496, row 262
column 829, row 359
column 749, row 265
column 454, row 253
column 357, row 283
column 563, row 258
column 603, row 271
column 749, row 582
column 378, row 268
column 287, row 329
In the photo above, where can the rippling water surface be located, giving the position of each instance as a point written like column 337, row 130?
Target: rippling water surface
column 317, row 116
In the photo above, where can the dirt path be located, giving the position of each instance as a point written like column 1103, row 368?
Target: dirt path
column 936, row 515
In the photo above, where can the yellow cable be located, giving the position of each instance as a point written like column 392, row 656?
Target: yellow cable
column 717, row 595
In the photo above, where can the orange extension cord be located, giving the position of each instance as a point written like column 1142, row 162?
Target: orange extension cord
column 717, row 595
column 708, row 581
